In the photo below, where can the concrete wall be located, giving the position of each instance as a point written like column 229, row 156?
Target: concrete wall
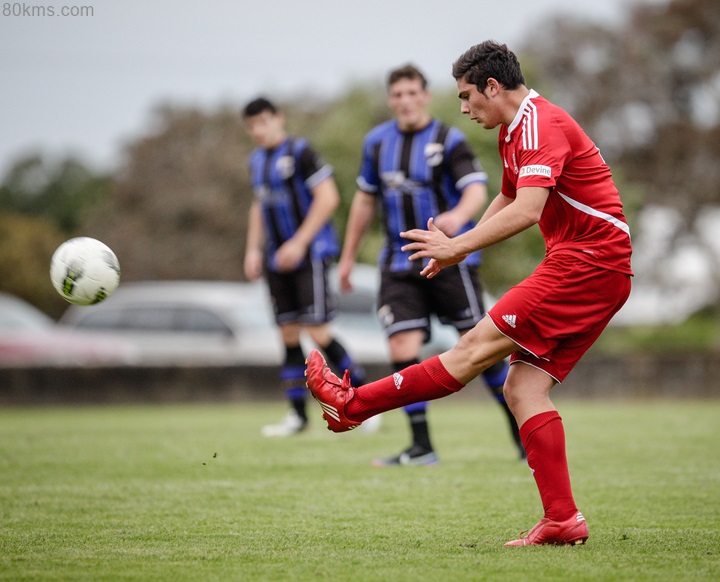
column 696, row 376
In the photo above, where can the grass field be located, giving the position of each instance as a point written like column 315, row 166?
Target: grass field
column 194, row 493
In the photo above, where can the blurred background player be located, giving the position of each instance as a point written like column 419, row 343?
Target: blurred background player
column 291, row 238
column 417, row 167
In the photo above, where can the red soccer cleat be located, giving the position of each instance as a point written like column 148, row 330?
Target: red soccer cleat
column 332, row 393
column 571, row 532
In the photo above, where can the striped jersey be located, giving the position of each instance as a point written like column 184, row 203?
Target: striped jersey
column 282, row 181
column 545, row 147
column 418, row 175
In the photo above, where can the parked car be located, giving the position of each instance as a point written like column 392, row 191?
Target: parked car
column 29, row 337
column 187, row 322
column 230, row 323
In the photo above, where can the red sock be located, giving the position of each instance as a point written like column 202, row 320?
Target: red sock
column 428, row 380
column 543, row 436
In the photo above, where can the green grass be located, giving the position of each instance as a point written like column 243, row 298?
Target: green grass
column 194, row 493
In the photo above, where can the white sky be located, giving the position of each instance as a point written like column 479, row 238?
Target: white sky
column 87, row 84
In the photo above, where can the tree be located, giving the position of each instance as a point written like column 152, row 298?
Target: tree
column 26, row 246
column 43, row 202
column 60, row 191
column 178, row 208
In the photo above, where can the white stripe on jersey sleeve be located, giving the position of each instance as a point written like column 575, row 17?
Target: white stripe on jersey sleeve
column 481, row 177
column 322, row 174
column 365, row 186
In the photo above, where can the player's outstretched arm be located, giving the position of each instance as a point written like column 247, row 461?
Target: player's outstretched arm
column 506, row 221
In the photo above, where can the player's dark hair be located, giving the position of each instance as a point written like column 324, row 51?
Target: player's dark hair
column 257, row 106
column 489, row 60
column 408, row 71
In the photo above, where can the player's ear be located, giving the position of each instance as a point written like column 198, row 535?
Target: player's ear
column 492, row 87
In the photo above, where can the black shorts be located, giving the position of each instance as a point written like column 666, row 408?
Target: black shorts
column 302, row 296
column 407, row 299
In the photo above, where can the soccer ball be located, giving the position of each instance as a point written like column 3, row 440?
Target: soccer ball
column 84, row 271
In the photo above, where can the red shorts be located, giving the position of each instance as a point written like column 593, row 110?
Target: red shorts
column 559, row 311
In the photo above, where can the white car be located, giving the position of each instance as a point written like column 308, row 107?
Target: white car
column 187, row 322
column 231, row 323
column 29, row 337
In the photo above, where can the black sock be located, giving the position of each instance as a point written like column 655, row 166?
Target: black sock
column 293, row 377
column 420, row 429
column 340, row 360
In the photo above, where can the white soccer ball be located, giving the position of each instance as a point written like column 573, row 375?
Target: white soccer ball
column 84, row 271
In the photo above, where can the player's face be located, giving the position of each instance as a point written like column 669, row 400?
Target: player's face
column 266, row 129
column 408, row 101
column 481, row 107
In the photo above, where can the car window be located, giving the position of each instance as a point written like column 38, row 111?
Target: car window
column 102, row 319
column 198, row 320
column 148, row 318
column 255, row 317
column 139, row 318
column 156, row 318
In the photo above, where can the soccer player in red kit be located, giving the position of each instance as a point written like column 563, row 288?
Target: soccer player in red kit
column 553, row 176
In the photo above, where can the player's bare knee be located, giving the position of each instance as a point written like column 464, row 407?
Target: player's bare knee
column 511, row 395
column 475, row 355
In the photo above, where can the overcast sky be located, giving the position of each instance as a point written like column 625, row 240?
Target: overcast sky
column 86, row 84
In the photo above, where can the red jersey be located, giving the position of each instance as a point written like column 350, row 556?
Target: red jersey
column 545, row 147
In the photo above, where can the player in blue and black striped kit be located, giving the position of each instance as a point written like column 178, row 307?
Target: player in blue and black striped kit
column 291, row 238
column 415, row 167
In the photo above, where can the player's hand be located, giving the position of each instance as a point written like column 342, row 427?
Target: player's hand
column 253, row 264
column 345, row 267
column 431, row 269
column 429, row 244
column 290, row 255
column 449, row 222
column 433, row 244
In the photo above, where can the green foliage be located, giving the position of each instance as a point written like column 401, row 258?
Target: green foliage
column 178, row 209
column 195, row 493
column 26, row 245
column 699, row 333
column 337, row 132
column 62, row 192
column 42, row 203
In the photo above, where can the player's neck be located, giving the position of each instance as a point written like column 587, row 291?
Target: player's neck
column 411, row 127
column 277, row 141
column 514, row 100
